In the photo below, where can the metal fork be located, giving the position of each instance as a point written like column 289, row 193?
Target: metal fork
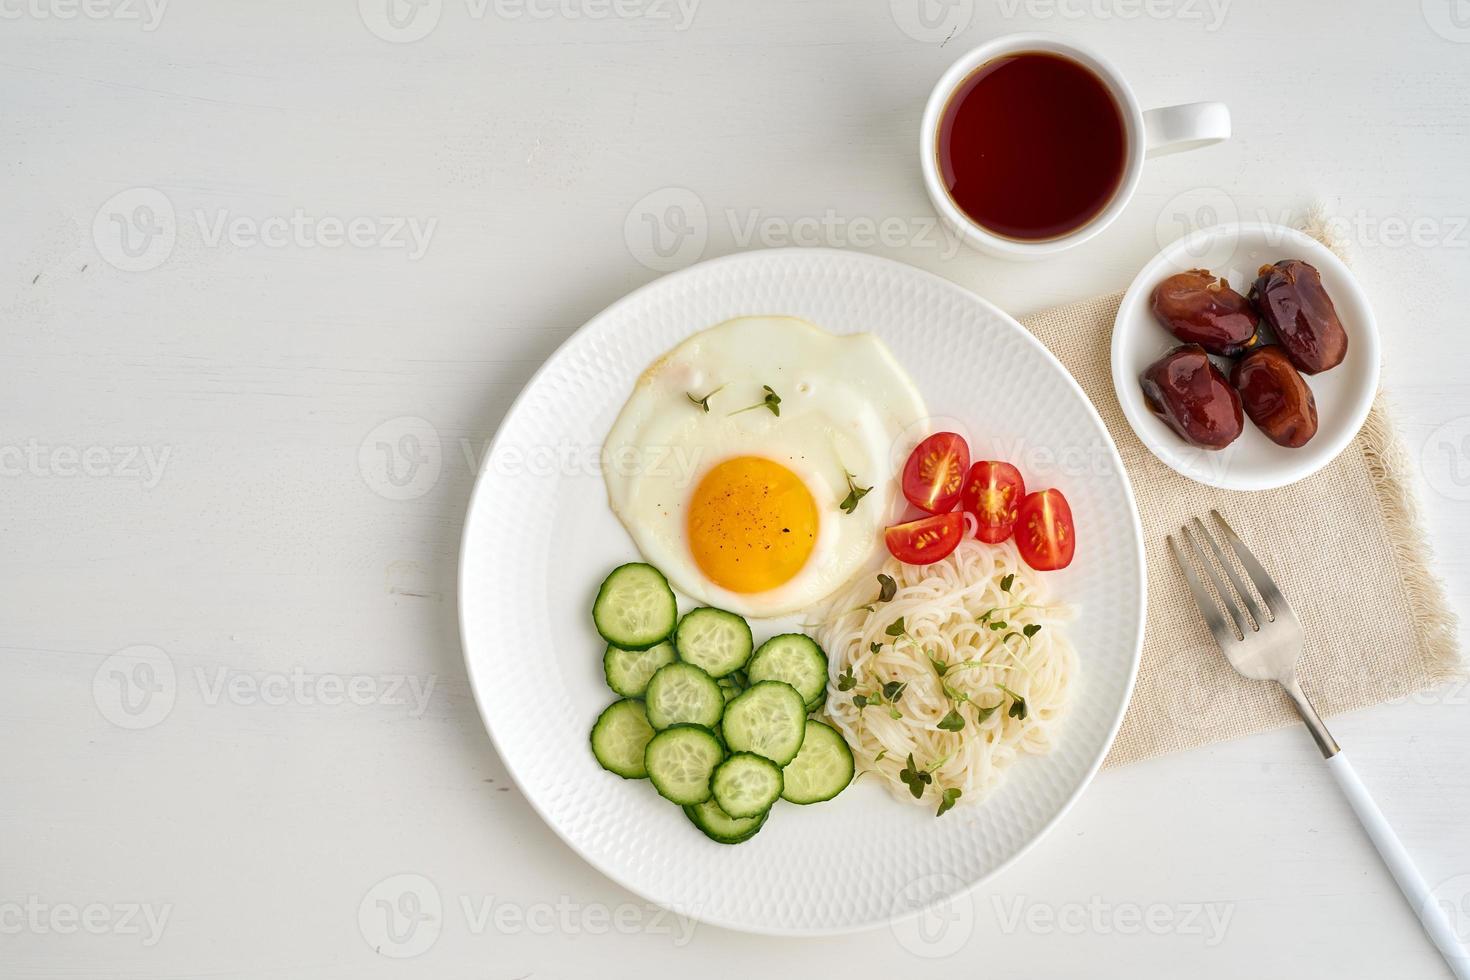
column 1263, row 645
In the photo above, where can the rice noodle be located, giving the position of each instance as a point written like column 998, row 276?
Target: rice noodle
column 942, row 606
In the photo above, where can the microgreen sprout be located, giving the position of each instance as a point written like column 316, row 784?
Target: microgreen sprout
column 855, row 494
column 914, row 778
column 704, row 402
column 771, row 401
column 887, row 588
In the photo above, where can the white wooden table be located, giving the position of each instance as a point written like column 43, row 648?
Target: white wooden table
column 272, row 272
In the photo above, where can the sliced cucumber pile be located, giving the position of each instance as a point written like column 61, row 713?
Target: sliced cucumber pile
column 635, row 607
column 722, row 828
column 768, row 719
column 821, row 770
column 629, row 671
column 680, row 761
column 797, row 660
column 619, row 738
column 682, row 694
column 729, row 688
column 717, row 729
column 745, row 785
column 714, row 640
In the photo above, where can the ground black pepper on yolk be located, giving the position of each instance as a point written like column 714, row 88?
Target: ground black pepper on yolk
column 752, row 524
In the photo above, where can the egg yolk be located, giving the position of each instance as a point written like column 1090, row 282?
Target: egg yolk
column 752, row 524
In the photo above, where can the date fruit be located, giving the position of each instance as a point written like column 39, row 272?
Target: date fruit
column 1192, row 397
column 1276, row 396
column 1289, row 295
column 1200, row 308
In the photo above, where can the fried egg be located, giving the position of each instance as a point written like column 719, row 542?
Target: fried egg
column 732, row 461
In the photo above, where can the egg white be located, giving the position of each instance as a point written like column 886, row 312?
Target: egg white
column 845, row 404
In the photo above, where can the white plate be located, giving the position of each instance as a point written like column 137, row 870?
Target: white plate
column 539, row 538
column 1344, row 394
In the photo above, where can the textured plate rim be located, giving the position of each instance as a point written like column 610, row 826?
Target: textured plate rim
column 1135, row 524
column 1169, row 454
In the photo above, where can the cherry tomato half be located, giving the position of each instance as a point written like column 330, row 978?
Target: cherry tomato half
column 993, row 492
column 926, row 540
column 1044, row 530
column 935, row 472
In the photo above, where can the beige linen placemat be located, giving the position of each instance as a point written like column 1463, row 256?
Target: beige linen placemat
column 1346, row 547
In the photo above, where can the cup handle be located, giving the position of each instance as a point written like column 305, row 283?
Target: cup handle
column 1176, row 128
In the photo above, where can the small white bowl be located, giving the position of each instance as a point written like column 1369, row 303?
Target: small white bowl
column 1344, row 394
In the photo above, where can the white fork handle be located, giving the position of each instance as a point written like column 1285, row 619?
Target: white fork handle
column 1431, row 914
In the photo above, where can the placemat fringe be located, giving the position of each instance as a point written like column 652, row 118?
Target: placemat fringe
column 1388, row 465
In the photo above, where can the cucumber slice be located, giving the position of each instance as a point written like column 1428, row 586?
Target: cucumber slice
column 714, row 640
column 619, row 737
column 683, row 694
column 629, row 671
column 746, row 784
column 730, row 687
column 821, row 770
column 635, row 607
column 769, row 719
column 722, row 828
column 797, row 660
column 680, row 761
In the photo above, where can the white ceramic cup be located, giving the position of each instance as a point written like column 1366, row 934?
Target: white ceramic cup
column 1151, row 133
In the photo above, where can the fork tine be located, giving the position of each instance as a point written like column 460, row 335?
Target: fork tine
column 1235, row 582
column 1275, row 601
column 1220, row 590
column 1207, row 607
